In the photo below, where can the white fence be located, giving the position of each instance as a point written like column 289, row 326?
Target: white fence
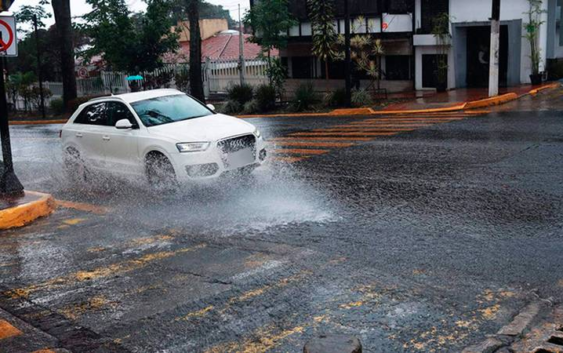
column 221, row 74
column 218, row 76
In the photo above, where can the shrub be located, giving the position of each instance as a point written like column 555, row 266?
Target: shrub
column 57, row 106
column 336, row 98
column 304, row 97
column 240, row 93
column 251, row 107
column 265, row 97
column 232, row 107
column 361, row 98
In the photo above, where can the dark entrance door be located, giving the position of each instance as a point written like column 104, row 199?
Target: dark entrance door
column 429, row 68
column 478, row 55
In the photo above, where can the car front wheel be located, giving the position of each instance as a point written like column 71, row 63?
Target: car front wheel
column 160, row 172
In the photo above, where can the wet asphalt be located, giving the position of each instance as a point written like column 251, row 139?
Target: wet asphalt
column 425, row 241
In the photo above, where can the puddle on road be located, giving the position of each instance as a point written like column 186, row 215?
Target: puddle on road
column 275, row 195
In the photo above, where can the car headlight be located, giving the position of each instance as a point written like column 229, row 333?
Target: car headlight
column 257, row 133
column 192, row 146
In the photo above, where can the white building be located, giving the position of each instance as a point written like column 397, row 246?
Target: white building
column 469, row 52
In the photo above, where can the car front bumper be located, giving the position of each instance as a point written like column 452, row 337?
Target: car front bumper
column 211, row 163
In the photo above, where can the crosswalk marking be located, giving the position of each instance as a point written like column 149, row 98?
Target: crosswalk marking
column 298, row 143
column 344, row 135
column 299, row 151
column 7, row 330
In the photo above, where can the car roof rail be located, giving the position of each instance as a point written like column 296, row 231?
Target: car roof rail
column 103, row 97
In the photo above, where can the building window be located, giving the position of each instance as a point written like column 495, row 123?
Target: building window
column 303, row 67
column 430, row 10
column 398, row 7
column 398, row 67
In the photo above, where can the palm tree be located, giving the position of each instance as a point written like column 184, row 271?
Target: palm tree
column 196, row 81
column 324, row 35
column 61, row 9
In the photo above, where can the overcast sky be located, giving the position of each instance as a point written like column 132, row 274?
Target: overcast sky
column 79, row 7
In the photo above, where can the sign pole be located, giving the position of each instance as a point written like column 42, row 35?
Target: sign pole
column 9, row 182
column 495, row 44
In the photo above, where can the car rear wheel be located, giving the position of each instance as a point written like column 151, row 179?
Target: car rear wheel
column 74, row 167
column 160, row 172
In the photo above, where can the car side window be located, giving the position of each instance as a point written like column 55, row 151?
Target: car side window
column 119, row 111
column 95, row 114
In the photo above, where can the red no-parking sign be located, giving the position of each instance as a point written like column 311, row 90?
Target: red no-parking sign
column 8, row 39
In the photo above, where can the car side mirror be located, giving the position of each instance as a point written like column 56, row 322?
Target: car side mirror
column 211, row 106
column 123, row 124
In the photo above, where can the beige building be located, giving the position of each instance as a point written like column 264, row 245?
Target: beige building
column 207, row 27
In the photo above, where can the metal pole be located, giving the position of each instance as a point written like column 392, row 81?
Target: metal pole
column 9, row 182
column 347, row 66
column 495, row 45
column 241, row 49
column 39, row 71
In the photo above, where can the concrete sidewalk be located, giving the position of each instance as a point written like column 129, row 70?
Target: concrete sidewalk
column 421, row 100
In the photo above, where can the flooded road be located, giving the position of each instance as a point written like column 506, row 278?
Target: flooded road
column 426, row 237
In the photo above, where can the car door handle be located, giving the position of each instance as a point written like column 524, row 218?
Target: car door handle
column 79, row 134
column 106, row 138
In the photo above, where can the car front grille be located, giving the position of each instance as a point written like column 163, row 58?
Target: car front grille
column 238, row 143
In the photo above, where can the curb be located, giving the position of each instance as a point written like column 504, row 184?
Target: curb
column 22, row 215
column 483, row 103
column 38, row 122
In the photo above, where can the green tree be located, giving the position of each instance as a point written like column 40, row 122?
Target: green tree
column 321, row 13
column 128, row 42
column 270, row 21
column 63, row 19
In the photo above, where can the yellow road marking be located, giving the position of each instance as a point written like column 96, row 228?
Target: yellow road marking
column 199, row 313
column 100, row 272
column 7, row 330
column 322, row 139
column 313, row 144
column 289, row 159
column 299, row 151
column 367, row 129
column 389, row 133
column 45, row 351
column 74, row 221
column 82, row 206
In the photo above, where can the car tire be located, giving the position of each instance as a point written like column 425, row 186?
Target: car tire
column 160, row 172
column 75, row 168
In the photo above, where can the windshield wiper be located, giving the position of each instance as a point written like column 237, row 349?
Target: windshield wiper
column 155, row 114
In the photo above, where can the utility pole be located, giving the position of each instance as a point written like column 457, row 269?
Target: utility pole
column 347, row 63
column 39, row 70
column 495, row 49
column 242, row 64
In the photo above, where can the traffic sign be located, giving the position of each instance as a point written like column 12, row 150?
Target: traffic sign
column 5, row 4
column 8, row 36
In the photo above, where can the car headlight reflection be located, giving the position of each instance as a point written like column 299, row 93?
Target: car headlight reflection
column 192, row 146
column 257, row 133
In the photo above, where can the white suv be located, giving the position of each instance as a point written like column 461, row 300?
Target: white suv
column 164, row 135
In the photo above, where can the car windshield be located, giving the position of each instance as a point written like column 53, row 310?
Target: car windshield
column 169, row 109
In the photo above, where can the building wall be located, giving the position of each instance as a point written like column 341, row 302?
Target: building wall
column 466, row 13
column 208, row 28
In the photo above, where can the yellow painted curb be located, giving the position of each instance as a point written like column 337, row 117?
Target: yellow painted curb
column 38, row 122
column 543, row 88
column 489, row 102
column 24, row 214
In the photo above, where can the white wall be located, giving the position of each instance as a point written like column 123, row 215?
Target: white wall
column 463, row 11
